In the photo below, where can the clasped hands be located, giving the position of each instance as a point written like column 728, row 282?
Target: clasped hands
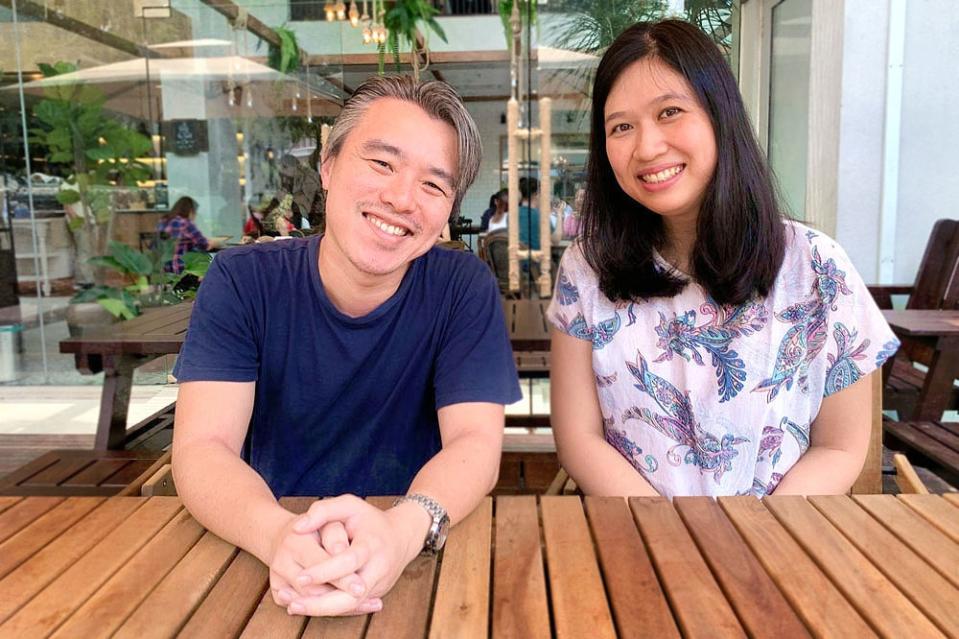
column 342, row 556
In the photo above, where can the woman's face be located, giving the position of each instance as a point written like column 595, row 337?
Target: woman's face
column 660, row 141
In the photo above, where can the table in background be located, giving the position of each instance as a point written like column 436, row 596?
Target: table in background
column 117, row 350
column 558, row 567
column 939, row 330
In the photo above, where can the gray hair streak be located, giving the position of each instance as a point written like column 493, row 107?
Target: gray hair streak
column 437, row 99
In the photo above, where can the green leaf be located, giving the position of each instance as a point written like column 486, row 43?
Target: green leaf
column 117, row 308
column 437, row 29
column 133, row 262
column 75, row 224
column 68, row 196
column 196, row 263
column 107, row 261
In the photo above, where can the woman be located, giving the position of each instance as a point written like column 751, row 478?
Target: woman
column 178, row 225
column 494, row 218
column 702, row 344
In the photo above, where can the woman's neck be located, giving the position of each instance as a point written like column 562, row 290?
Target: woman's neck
column 679, row 243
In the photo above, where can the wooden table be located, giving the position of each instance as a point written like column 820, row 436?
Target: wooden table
column 939, row 330
column 560, row 567
column 117, row 351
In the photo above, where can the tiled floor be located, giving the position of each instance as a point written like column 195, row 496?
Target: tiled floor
column 70, row 410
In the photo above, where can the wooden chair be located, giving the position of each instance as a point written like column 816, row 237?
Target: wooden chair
column 870, row 478
column 936, row 287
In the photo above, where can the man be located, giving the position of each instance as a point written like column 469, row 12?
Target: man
column 365, row 361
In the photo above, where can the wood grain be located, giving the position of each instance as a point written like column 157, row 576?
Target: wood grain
column 926, row 588
column 936, row 511
column 461, row 608
column 916, row 532
column 758, row 603
column 272, row 621
column 173, row 601
column 822, row 607
column 520, row 607
column 883, row 606
column 638, row 602
column 21, row 514
column 231, row 602
column 576, row 586
column 18, row 548
column 698, row 603
column 107, row 609
column 43, row 567
column 52, row 606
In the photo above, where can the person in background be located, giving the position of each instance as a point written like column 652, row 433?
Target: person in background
column 496, row 213
column 178, row 225
column 529, row 214
column 253, row 227
column 702, row 343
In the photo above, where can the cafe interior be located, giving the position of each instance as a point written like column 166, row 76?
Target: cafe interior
column 112, row 114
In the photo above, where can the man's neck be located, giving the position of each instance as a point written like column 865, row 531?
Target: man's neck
column 351, row 291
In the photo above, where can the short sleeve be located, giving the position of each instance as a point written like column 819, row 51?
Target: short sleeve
column 221, row 342
column 858, row 338
column 474, row 362
column 568, row 306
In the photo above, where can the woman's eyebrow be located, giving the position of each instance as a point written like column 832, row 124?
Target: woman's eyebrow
column 666, row 97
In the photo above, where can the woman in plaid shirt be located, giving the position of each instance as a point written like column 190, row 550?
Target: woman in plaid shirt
column 178, row 225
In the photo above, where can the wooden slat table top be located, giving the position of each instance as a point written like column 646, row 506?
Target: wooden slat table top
column 923, row 323
column 157, row 331
column 533, row 567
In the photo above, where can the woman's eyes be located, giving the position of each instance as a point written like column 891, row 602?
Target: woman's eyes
column 380, row 163
column 620, row 128
column 669, row 112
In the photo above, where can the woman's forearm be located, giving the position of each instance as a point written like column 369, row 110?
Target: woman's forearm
column 821, row 471
column 599, row 469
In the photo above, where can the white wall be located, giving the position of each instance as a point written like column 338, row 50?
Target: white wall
column 861, row 133
column 928, row 166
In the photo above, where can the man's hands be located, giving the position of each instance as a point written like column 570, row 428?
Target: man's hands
column 292, row 552
column 380, row 545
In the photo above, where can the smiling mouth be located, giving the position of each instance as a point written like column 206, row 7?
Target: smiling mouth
column 386, row 227
column 662, row 176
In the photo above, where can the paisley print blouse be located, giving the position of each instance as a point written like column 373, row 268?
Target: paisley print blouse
column 704, row 399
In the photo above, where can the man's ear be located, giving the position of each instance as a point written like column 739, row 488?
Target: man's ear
column 326, row 169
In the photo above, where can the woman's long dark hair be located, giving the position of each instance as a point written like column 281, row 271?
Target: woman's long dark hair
column 740, row 238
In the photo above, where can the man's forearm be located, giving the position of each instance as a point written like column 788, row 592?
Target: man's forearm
column 228, row 497
column 460, row 475
column 821, row 471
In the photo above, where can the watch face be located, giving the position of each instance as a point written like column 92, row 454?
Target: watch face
column 442, row 531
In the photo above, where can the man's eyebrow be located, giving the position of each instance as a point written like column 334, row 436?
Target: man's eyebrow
column 380, row 145
column 666, row 97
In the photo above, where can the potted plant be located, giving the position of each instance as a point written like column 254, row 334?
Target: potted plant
column 145, row 283
column 99, row 153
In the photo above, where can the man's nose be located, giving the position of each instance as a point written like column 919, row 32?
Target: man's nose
column 399, row 193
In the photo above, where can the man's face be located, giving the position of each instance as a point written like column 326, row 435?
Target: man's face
column 390, row 188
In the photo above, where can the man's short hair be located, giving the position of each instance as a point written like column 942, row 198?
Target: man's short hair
column 437, row 99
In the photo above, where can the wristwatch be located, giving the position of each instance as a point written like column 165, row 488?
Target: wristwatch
column 439, row 529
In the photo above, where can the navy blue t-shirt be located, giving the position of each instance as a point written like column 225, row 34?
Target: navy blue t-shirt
column 347, row 405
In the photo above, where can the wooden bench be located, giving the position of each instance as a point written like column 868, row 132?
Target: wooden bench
column 930, row 444
column 97, row 472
